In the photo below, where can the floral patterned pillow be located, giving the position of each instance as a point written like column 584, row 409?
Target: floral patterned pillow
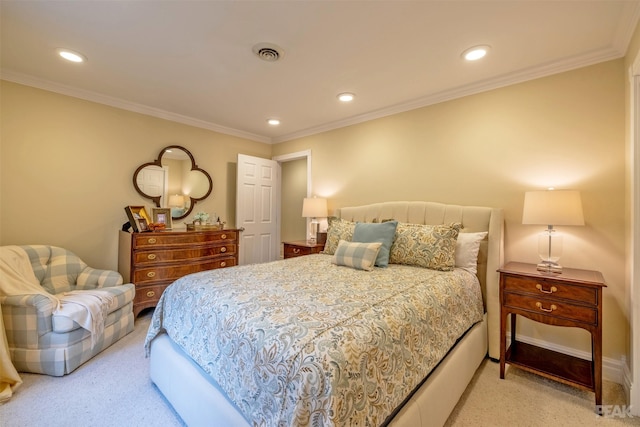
column 339, row 229
column 429, row 246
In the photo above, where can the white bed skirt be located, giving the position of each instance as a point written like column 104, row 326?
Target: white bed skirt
column 200, row 402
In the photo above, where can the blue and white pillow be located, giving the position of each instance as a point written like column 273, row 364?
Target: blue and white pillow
column 361, row 256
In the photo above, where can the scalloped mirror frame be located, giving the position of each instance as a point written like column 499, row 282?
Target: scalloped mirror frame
column 158, row 162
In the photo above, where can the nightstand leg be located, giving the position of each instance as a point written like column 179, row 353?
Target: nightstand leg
column 596, row 345
column 503, row 343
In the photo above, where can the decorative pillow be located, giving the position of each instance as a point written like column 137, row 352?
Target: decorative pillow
column 377, row 232
column 467, row 248
column 360, row 256
column 339, row 229
column 430, row 246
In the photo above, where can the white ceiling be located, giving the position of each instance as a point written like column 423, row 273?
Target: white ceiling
column 192, row 61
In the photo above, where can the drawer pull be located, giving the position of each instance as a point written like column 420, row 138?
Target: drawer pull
column 151, row 274
column 223, row 264
column 548, row 310
column 223, row 249
column 152, row 240
column 296, row 250
column 544, row 291
column 150, row 294
column 151, row 256
column 223, row 236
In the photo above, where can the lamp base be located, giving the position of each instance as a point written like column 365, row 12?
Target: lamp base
column 549, row 267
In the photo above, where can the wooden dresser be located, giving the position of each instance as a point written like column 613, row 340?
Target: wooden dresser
column 152, row 261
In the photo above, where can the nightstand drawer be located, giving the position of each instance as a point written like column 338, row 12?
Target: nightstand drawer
column 550, row 288
column 292, row 251
column 300, row 248
column 552, row 308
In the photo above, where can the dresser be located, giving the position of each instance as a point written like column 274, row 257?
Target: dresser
column 301, row 247
column 570, row 299
column 152, row 261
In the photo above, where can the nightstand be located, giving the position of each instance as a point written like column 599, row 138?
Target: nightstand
column 301, row 247
column 570, row 299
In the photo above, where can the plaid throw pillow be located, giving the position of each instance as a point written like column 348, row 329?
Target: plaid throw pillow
column 360, row 256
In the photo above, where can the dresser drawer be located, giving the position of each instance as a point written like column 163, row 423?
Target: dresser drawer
column 552, row 308
column 143, row 240
column 172, row 272
column 171, row 255
column 145, row 294
column 550, row 288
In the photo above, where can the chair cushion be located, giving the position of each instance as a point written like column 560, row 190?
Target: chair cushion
column 61, row 320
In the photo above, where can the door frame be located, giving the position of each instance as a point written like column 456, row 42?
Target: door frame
column 298, row 155
column 633, row 259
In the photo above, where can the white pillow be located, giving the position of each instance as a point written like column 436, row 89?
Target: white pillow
column 467, row 248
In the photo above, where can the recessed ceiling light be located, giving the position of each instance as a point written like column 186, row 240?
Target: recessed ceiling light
column 72, row 56
column 346, row 97
column 273, row 122
column 476, row 52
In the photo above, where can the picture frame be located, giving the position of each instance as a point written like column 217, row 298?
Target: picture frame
column 138, row 218
column 162, row 216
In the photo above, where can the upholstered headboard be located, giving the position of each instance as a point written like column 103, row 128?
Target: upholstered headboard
column 473, row 219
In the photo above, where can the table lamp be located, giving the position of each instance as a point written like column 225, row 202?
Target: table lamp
column 314, row 208
column 552, row 207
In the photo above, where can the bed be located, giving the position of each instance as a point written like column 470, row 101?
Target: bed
column 318, row 340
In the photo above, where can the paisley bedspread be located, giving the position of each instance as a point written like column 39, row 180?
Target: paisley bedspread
column 302, row 341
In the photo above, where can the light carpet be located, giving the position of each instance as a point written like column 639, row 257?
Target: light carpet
column 113, row 389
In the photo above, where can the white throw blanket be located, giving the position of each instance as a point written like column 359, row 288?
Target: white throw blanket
column 94, row 310
column 17, row 278
column 16, row 275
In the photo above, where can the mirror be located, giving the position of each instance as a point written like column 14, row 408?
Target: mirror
column 173, row 181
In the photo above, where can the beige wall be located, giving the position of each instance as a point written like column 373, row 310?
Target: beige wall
column 566, row 131
column 66, row 168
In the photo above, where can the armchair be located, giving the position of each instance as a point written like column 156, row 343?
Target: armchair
column 44, row 339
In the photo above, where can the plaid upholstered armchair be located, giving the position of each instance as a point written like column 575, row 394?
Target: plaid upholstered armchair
column 54, row 328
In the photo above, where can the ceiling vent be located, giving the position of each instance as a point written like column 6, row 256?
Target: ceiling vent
column 268, row 52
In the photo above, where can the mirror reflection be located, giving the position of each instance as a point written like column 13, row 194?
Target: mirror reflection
column 173, row 181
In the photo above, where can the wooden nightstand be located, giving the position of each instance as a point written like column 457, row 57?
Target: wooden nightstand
column 301, row 247
column 573, row 299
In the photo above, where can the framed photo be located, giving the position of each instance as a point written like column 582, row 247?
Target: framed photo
column 143, row 225
column 138, row 218
column 162, row 216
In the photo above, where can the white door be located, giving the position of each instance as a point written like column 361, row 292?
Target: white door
column 256, row 208
column 152, row 180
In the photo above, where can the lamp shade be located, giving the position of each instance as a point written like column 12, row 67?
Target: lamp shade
column 176, row 201
column 553, row 207
column 314, row 207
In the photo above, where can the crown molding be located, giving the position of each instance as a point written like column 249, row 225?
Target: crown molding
column 521, row 76
column 126, row 105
